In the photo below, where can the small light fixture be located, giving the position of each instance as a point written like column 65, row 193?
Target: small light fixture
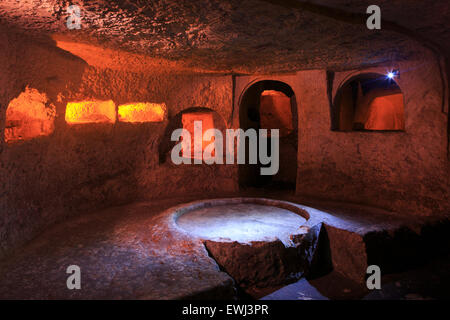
column 393, row 74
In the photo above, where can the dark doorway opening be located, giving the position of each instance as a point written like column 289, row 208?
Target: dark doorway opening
column 270, row 104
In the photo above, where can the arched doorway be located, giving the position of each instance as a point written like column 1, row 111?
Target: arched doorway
column 270, row 104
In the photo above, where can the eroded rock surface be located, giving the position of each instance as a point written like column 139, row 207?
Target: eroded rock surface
column 240, row 36
column 263, row 264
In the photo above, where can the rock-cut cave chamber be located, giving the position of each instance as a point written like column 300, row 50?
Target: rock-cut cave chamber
column 87, row 175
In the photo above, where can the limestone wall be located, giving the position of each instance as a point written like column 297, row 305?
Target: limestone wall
column 406, row 172
column 81, row 168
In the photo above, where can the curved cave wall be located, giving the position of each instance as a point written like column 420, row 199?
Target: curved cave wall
column 404, row 171
column 82, row 167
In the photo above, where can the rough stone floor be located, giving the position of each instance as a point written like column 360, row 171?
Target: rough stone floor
column 129, row 252
column 428, row 282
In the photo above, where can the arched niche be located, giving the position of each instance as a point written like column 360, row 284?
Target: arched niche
column 369, row 102
column 185, row 119
column 28, row 116
column 270, row 104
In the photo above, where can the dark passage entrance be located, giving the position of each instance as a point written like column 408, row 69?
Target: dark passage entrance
column 268, row 105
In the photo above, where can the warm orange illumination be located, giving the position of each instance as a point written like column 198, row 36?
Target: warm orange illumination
column 370, row 102
column 91, row 112
column 380, row 110
column 207, row 121
column 96, row 55
column 275, row 111
column 29, row 115
column 142, row 112
column 386, row 113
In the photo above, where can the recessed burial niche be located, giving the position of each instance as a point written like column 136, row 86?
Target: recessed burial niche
column 92, row 111
column 199, row 121
column 275, row 112
column 369, row 102
column 270, row 104
column 142, row 112
column 28, row 116
column 185, row 119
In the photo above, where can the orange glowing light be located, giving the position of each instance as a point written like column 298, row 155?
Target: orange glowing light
column 207, row 122
column 29, row 115
column 96, row 55
column 142, row 112
column 275, row 111
column 386, row 113
column 91, row 112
